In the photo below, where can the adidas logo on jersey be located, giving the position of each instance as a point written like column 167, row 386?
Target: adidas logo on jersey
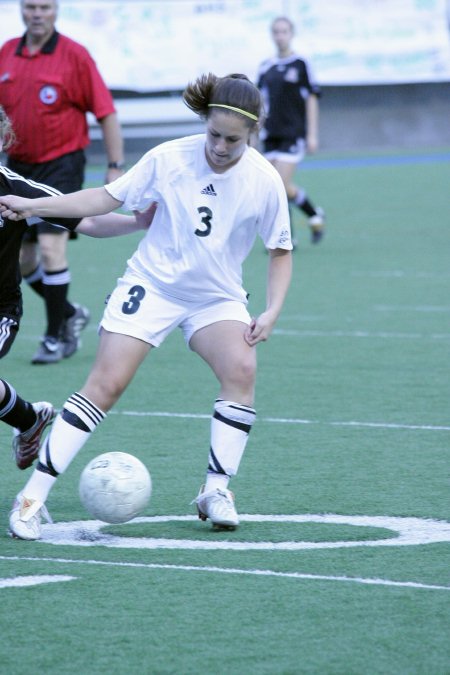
column 209, row 190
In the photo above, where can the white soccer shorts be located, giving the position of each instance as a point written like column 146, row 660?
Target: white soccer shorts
column 139, row 309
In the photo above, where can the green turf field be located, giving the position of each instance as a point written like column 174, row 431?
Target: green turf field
column 342, row 562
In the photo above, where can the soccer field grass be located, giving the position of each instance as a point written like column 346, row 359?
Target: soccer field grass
column 341, row 564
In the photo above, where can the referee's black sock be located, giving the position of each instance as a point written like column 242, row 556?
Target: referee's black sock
column 35, row 281
column 56, row 288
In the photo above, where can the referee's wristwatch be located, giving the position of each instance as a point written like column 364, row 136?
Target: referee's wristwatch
column 116, row 165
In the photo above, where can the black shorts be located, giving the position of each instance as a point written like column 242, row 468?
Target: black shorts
column 9, row 327
column 287, row 150
column 65, row 173
column 283, row 144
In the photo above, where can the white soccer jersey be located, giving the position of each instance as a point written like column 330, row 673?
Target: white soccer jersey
column 206, row 223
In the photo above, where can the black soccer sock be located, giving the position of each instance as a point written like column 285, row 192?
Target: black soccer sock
column 307, row 207
column 56, row 288
column 34, row 280
column 15, row 411
column 302, row 201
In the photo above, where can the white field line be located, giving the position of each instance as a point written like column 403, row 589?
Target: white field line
column 384, row 335
column 413, row 308
column 233, row 570
column 398, row 274
column 283, row 420
column 406, row 531
column 33, row 580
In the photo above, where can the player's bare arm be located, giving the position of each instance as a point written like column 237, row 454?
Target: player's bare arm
column 90, row 202
column 116, row 224
column 279, row 277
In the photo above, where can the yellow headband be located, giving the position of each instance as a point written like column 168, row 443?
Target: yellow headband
column 231, row 107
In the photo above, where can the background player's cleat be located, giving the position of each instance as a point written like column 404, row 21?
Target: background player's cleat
column 72, row 329
column 218, row 506
column 50, row 351
column 317, row 225
column 26, row 443
column 25, row 518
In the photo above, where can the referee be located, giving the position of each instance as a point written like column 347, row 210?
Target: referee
column 48, row 83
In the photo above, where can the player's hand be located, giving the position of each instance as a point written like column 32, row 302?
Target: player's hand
column 145, row 218
column 259, row 329
column 15, row 208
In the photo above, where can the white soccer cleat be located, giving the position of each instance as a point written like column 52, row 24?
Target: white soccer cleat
column 218, row 506
column 25, row 518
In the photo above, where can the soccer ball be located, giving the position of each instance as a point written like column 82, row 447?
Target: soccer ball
column 115, row 487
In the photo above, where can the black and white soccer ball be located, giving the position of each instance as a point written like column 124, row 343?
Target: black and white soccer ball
column 115, row 487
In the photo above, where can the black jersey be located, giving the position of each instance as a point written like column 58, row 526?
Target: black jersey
column 285, row 84
column 11, row 232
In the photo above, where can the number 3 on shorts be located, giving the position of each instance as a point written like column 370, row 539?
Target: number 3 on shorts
column 137, row 294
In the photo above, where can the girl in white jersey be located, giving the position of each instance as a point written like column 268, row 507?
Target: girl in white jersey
column 215, row 194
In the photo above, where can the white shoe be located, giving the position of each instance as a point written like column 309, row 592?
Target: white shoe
column 25, row 518
column 218, row 506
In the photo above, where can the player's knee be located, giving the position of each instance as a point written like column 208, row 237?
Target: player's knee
column 53, row 252
column 53, row 259
column 103, row 391
column 28, row 259
column 244, row 372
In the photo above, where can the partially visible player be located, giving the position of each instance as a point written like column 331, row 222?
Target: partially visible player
column 215, row 195
column 30, row 419
column 291, row 128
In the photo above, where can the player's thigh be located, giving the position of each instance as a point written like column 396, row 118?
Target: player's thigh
column 223, row 347
column 285, row 169
column 117, row 360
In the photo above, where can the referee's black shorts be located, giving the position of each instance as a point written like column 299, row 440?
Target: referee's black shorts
column 64, row 173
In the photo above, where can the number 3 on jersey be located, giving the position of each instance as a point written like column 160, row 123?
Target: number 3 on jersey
column 136, row 293
column 206, row 219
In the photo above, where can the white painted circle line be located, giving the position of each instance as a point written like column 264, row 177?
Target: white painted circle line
column 406, row 532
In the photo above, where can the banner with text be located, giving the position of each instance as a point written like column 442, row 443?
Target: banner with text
column 157, row 45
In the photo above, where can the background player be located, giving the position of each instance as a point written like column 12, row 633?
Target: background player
column 291, row 127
